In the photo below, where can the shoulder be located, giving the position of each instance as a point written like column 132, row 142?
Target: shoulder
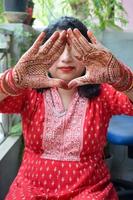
column 108, row 92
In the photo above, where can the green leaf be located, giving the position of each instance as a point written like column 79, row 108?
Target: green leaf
column 16, row 129
column 85, row 10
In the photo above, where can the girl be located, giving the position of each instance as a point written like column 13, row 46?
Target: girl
column 66, row 91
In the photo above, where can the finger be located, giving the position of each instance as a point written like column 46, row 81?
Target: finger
column 56, row 54
column 83, row 41
column 32, row 51
column 74, row 42
column 52, row 82
column 92, row 37
column 59, row 45
column 38, row 42
column 78, row 82
column 40, row 81
column 50, row 42
column 68, row 40
column 35, row 81
column 71, row 37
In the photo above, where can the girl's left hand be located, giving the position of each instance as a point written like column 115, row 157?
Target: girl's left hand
column 101, row 65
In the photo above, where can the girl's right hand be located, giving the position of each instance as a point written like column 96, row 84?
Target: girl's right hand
column 31, row 71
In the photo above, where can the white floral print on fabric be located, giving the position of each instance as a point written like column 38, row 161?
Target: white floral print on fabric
column 63, row 130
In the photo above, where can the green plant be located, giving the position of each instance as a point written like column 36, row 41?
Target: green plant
column 15, row 125
column 2, row 20
column 107, row 13
column 16, row 129
column 22, row 39
column 94, row 13
column 45, row 10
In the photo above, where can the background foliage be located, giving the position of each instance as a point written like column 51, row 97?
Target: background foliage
column 94, row 13
column 1, row 12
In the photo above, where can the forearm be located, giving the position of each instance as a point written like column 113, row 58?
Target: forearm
column 125, row 81
column 124, row 78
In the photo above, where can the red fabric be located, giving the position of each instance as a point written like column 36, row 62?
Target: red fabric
column 89, row 178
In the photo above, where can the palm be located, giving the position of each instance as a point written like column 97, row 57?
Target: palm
column 99, row 62
column 32, row 68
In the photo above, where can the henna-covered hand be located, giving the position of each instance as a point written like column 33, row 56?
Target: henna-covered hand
column 101, row 65
column 32, row 68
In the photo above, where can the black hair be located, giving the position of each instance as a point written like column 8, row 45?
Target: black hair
column 63, row 23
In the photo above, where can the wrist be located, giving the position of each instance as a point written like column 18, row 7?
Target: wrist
column 114, row 69
column 7, row 84
column 125, row 80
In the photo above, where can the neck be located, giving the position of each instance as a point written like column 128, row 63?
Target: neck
column 64, row 92
column 66, row 96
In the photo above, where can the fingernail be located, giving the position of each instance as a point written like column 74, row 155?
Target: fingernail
column 63, row 31
column 90, row 33
column 76, row 31
column 56, row 33
column 69, row 30
column 42, row 33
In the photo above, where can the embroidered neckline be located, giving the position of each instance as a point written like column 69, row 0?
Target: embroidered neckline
column 57, row 105
column 59, row 114
column 63, row 136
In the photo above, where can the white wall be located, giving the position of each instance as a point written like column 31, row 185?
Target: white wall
column 128, row 5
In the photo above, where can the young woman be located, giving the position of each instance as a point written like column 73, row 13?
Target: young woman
column 66, row 91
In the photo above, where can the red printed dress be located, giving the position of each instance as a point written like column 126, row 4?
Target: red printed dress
column 63, row 155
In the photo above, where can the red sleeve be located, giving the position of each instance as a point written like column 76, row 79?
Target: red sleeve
column 116, row 102
column 13, row 104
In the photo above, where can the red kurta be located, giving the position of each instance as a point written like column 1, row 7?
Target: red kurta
column 63, row 155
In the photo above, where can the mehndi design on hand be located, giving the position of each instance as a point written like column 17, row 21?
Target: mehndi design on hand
column 32, row 68
column 101, row 65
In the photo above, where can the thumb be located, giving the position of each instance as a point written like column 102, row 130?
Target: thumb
column 78, row 82
column 92, row 37
column 53, row 82
column 38, row 42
